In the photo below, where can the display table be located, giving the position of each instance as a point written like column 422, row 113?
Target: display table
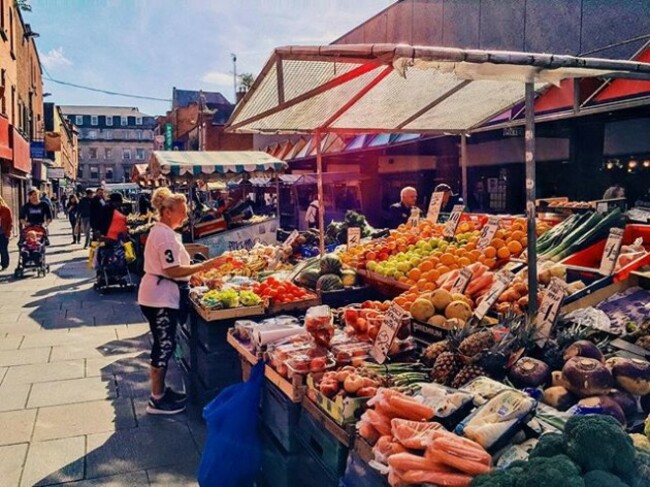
column 243, row 237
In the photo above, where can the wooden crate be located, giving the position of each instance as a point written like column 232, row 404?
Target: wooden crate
column 343, row 410
column 227, row 314
column 293, row 307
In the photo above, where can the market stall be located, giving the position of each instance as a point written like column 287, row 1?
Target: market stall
column 495, row 385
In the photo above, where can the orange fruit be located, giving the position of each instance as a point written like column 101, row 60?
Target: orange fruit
column 524, row 242
column 454, row 267
column 430, row 286
column 470, row 246
column 447, row 259
column 490, row 252
column 425, row 266
column 464, row 262
column 503, row 253
column 500, row 234
column 476, row 254
column 414, row 274
column 410, row 282
column 443, row 269
column 490, row 263
column 432, row 275
column 403, row 279
column 399, row 300
column 517, row 235
column 515, row 247
column 517, row 227
column 497, row 243
column 421, row 284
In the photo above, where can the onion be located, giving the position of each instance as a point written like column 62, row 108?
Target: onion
column 587, row 377
column 626, row 401
column 583, row 348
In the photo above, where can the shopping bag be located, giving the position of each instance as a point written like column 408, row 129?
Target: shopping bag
column 91, row 255
column 232, row 453
column 129, row 252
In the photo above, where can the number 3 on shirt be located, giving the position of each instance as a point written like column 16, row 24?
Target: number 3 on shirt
column 169, row 256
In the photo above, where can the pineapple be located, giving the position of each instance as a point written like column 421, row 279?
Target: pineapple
column 466, row 374
column 474, row 346
column 445, row 368
column 434, row 350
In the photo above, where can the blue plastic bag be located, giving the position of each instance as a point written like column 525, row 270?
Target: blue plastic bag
column 232, row 454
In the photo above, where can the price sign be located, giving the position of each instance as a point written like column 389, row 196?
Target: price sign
column 389, row 328
column 503, row 279
column 354, row 237
column 461, row 282
column 548, row 310
column 291, row 239
column 434, row 207
column 414, row 219
column 601, row 207
column 454, row 220
column 488, row 232
column 612, row 249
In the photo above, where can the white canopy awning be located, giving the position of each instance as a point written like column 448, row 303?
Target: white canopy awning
column 200, row 163
column 401, row 88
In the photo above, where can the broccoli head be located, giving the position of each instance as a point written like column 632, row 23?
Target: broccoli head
column 597, row 442
column 549, row 445
column 496, row 478
column 600, row 478
column 550, row 472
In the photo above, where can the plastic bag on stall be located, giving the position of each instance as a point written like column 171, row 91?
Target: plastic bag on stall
column 232, row 453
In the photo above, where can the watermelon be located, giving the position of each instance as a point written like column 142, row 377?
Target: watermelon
column 308, row 278
column 330, row 264
column 349, row 277
column 329, row 282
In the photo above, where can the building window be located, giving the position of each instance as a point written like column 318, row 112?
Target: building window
column 139, row 154
column 93, row 152
column 81, row 153
column 138, row 134
column 138, row 120
column 94, row 172
column 11, row 33
column 108, row 153
column 124, row 121
column 3, row 80
column 147, row 135
column 109, row 173
column 108, row 134
column 109, row 120
column 79, row 120
column 92, row 134
column 94, row 120
column 126, row 154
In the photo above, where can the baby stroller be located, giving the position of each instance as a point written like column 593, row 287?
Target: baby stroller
column 112, row 267
column 31, row 251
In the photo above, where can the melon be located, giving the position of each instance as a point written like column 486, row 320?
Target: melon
column 330, row 264
column 458, row 309
column 329, row 282
column 422, row 309
column 437, row 320
column 308, row 278
column 441, row 298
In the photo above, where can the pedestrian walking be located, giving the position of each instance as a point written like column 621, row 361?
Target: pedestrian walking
column 163, row 294
column 97, row 212
column 35, row 211
column 64, row 203
column 84, row 215
column 6, row 223
column 72, row 210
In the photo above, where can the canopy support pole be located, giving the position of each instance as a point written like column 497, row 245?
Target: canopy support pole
column 321, row 199
column 277, row 197
column 530, row 197
column 463, row 166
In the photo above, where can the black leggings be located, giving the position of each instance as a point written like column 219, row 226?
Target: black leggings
column 162, row 322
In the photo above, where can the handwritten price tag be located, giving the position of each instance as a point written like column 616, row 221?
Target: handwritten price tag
column 461, row 282
column 548, row 310
column 434, row 207
column 389, row 328
column 503, row 280
column 488, row 232
column 612, row 249
column 454, row 220
column 291, row 239
column 354, row 237
column 414, row 219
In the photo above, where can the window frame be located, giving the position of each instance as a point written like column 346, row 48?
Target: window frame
column 94, row 169
column 112, row 173
column 144, row 154
column 138, row 120
column 124, row 153
column 108, row 153
column 92, row 150
column 94, row 120
column 78, row 120
column 109, row 120
column 124, row 121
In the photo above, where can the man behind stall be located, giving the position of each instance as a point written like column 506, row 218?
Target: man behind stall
column 399, row 213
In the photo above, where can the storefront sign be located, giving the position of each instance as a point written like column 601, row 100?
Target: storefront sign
column 354, row 237
column 548, row 310
column 242, row 238
column 612, row 249
column 434, row 207
column 169, row 136
column 5, row 149
column 488, row 232
column 454, row 220
column 22, row 161
column 461, row 282
column 389, row 328
column 37, row 150
column 55, row 173
column 503, row 279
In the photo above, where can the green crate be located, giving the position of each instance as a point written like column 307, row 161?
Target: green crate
column 313, row 472
column 280, row 416
column 219, row 369
column 279, row 469
column 322, row 445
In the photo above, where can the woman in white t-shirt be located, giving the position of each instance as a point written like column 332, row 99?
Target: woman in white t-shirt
column 167, row 269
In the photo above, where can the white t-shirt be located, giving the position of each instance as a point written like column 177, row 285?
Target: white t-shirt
column 164, row 249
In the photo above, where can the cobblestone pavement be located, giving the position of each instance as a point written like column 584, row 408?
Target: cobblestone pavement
column 74, row 384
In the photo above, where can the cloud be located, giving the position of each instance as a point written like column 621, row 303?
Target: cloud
column 55, row 59
column 217, row 78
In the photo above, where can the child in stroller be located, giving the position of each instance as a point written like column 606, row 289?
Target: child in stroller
column 32, row 243
column 112, row 266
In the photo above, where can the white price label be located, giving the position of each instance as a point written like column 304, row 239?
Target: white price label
column 434, row 207
column 354, row 237
column 601, row 208
column 414, row 219
column 502, row 281
column 291, row 239
column 461, row 282
column 389, row 328
column 488, row 232
column 612, row 249
column 548, row 310
column 454, row 220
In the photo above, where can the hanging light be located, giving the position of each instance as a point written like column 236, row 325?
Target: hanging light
column 610, row 165
column 632, row 164
column 646, row 163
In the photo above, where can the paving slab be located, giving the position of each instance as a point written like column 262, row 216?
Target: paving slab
column 83, row 418
column 31, row 374
column 3, row 371
column 174, row 476
column 136, row 449
column 10, row 316
column 75, row 336
column 138, row 479
column 12, row 458
column 70, row 392
column 16, row 426
column 11, row 342
column 72, row 352
column 23, row 327
column 133, row 330
column 54, row 462
column 106, row 366
column 13, row 396
column 23, row 357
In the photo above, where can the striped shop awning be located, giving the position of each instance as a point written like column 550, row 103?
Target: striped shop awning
column 201, row 163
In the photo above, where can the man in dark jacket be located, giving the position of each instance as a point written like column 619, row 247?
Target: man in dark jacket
column 399, row 213
column 84, row 214
column 449, row 199
column 97, row 212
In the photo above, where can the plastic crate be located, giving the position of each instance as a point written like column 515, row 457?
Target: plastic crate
column 349, row 295
column 322, row 445
column 592, row 279
column 313, row 472
column 211, row 335
column 280, row 416
column 219, row 369
column 359, row 474
column 279, row 469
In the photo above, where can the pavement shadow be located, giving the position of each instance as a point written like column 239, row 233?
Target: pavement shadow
column 143, row 449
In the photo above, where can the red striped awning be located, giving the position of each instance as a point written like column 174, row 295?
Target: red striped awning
column 5, row 150
column 626, row 88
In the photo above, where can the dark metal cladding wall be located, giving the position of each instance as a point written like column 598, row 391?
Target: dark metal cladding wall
column 553, row 26
column 503, row 24
column 427, row 22
column 460, row 26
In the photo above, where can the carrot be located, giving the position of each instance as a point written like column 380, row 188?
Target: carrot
column 477, row 284
column 380, row 422
column 436, row 477
column 465, row 465
column 387, row 446
column 385, row 408
column 410, row 408
column 413, row 434
column 461, row 447
column 395, row 478
column 409, row 461
column 368, row 432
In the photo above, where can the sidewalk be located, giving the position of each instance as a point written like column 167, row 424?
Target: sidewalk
column 74, row 384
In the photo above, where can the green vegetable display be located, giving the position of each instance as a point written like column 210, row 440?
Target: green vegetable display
column 229, row 298
column 338, row 231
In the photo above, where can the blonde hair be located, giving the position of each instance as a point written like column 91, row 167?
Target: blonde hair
column 164, row 198
column 3, row 203
column 32, row 234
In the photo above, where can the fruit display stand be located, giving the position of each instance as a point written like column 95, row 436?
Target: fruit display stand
column 292, row 307
column 385, row 286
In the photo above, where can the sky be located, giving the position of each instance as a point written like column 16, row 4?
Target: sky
column 146, row 47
